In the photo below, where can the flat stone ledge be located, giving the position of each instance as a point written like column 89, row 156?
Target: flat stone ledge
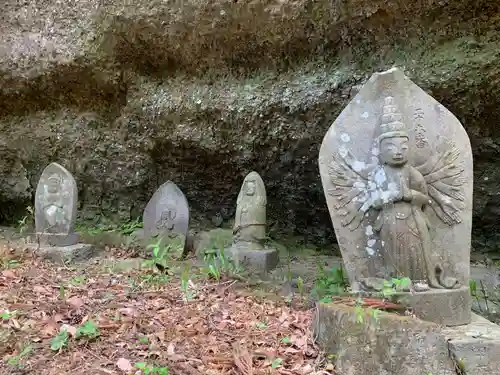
column 389, row 344
column 476, row 346
column 56, row 239
column 61, row 254
column 449, row 307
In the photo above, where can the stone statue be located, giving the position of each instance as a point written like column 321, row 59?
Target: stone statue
column 250, row 220
column 400, row 194
column 167, row 214
column 396, row 168
column 55, row 206
column 249, row 231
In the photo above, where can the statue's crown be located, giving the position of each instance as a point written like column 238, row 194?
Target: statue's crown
column 391, row 125
column 55, row 178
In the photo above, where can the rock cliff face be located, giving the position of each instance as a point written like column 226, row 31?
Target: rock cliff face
column 129, row 94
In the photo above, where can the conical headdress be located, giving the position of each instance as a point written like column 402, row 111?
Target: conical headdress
column 391, row 125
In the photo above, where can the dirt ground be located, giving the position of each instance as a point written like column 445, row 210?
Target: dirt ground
column 113, row 316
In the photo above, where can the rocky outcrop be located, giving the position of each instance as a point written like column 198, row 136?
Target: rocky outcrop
column 127, row 95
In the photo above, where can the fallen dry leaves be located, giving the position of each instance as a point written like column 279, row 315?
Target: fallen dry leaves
column 219, row 331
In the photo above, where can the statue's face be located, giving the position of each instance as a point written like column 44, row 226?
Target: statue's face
column 394, row 151
column 53, row 186
column 250, row 188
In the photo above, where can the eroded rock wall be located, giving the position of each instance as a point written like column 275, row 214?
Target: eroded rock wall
column 129, row 94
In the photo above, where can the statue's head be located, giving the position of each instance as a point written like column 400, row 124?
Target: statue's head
column 393, row 139
column 250, row 187
column 54, row 183
column 253, row 187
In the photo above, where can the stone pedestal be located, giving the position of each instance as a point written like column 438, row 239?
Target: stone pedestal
column 57, row 239
column 62, row 254
column 253, row 256
column 442, row 306
column 391, row 344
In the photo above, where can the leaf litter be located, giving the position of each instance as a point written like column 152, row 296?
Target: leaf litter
column 108, row 325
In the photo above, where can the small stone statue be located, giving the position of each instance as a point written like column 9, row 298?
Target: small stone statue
column 249, row 231
column 250, row 220
column 55, row 217
column 55, row 206
column 167, row 214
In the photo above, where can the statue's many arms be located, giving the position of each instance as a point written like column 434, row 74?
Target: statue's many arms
column 400, row 194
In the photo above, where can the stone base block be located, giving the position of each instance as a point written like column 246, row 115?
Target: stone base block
column 391, row 344
column 441, row 306
column 384, row 344
column 61, row 254
column 253, row 257
column 57, row 239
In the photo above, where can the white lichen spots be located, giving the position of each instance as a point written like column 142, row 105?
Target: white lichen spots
column 379, row 176
column 375, row 151
column 369, row 230
column 365, row 114
column 344, row 137
column 371, row 242
column 370, row 251
column 486, row 178
column 358, row 166
column 359, row 185
column 446, row 199
column 343, row 151
column 430, row 202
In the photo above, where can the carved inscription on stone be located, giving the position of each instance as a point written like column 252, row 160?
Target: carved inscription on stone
column 167, row 212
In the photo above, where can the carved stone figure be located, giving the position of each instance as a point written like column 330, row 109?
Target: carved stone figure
column 396, row 168
column 250, row 220
column 55, row 206
column 167, row 213
column 249, row 231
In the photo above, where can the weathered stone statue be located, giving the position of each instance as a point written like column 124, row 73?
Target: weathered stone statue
column 249, row 231
column 167, row 214
column 400, row 199
column 55, row 216
column 250, row 220
column 55, row 206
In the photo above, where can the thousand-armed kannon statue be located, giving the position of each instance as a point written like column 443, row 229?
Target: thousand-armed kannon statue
column 395, row 208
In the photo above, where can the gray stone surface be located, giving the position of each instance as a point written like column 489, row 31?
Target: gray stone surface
column 388, row 345
column 254, row 258
column 441, row 306
column 476, row 346
column 63, row 254
column 167, row 213
column 55, row 206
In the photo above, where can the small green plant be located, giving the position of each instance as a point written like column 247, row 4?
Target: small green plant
column 276, row 363
column 151, row 369
column 261, row 325
column 77, row 280
column 331, row 283
column 88, row 330
column 186, row 285
column 6, row 315
column 62, row 291
column 217, row 264
column 60, row 341
column 286, row 340
column 16, row 361
column 26, row 221
column 160, row 255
